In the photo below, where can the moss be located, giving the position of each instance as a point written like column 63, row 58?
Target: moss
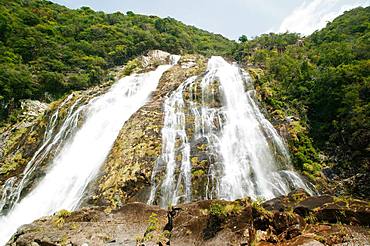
column 198, row 173
column 74, row 226
column 153, row 232
column 311, row 177
column 202, row 147
column 308, row 167
column 278, row 113
column 59, row 218
column 8, row 167
column 197, row 163
column 127, row 171
column 14, row 140
column 194, row 161
column 304, row 154
column 33, row 137
column 224, row 210
column 63, row 213
column 233, row 208
column 131, row 66
column 320, row 238
column 219, row 213
column 153, row 223
column 64, row 240
column 217, row 210
column 257, row 206
column 310, row 218
column 13, row 164
column 298, row 196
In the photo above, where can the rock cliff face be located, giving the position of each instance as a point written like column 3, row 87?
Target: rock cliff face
column 114, row 211
column 28, row 146
column 19, row 141
column 295, row 219
column 127, row 171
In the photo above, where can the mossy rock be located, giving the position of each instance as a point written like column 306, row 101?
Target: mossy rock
column 127, row 171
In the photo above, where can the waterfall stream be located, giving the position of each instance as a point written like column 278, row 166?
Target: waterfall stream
column 83, row 152
column 214, row 133
column 246, row 156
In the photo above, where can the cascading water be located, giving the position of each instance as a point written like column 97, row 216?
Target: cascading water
column 82, row 153
column 52, row 141
column 173, row 129
column 248, row 156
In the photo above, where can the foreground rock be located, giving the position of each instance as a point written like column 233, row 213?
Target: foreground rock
column 296, row 219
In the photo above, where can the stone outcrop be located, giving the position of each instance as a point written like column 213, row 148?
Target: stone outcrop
column 280, row 221
column 21, row 141
column 116, row 216
column 18, row 143
column 127, row 171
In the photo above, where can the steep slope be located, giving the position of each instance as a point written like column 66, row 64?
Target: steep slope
column 317, row 91
column 128, row 168
column 295, row 219
column 196, row 140
column 193, row 140
column 76, row 150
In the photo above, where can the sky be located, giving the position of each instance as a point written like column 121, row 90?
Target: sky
column 233, row 18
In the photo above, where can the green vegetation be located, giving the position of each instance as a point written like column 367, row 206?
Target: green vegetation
column 217, row 210
column 318, row 86
column 59, row 217
column 47, row 50
column 153, row 223
column 223, row 210
column 257, row 206
column 153, row 232
column 322, row 84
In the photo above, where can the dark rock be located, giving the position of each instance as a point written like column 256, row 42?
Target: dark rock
column 306, row 206
column 211, row 222
column 282, row 221
column 329, row 173
column 281, row 203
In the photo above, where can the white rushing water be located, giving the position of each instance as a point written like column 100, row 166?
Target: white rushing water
column 250, row 158
column 82, row 152
column 53, row 140
column 174, row 130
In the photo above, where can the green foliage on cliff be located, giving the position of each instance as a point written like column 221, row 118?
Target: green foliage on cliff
column 324, row 81
column 47, row 50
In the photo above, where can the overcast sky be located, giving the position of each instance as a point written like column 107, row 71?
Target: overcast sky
column 232, row 18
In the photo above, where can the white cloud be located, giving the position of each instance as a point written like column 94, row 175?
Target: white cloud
column 314, row 15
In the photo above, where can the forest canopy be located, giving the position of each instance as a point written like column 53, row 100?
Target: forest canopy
column 47, row 50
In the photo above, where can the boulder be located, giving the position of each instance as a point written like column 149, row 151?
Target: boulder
column 211, row 222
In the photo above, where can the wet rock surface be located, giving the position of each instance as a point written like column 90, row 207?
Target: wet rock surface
column 212, row 222
column 22, row 144
column 127, row 171
column 19, row 141
column 295, row 219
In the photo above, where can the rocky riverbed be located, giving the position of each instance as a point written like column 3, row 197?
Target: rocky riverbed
column 295, row 219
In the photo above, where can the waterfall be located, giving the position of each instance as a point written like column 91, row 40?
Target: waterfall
column 82, row 153
column 54, row 137
column 246, row 155
column 173, row 130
